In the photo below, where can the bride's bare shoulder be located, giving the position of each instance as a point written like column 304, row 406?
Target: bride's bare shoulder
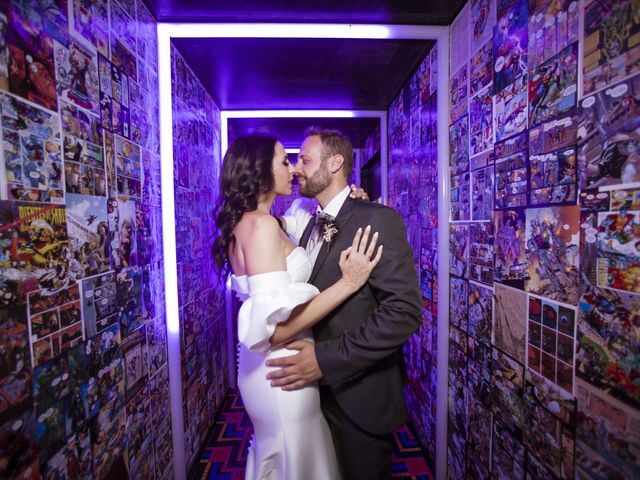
column 253, row 222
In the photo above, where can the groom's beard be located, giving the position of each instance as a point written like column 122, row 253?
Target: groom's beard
column 317, row 183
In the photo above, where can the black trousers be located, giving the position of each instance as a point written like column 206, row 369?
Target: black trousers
column 361, row 455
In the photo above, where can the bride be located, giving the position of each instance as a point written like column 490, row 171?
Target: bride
column 292, row 440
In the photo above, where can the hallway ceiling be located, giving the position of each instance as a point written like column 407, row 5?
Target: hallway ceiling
column 273, row 73
column 408, row 12
column 283, row 74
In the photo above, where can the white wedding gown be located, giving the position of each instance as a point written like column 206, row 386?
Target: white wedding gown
column 292, row 440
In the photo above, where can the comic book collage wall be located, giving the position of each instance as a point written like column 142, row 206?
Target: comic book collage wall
column 413, row 192
column 201, row 297
column 84, row 378
column 544, row 340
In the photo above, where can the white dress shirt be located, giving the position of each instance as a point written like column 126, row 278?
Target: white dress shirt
column 332, row 208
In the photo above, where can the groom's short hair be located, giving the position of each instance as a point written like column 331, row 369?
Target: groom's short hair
column 334, row 142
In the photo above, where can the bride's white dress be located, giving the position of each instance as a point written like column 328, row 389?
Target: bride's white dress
column 292, row 439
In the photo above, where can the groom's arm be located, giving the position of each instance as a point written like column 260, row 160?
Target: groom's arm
column 395, row 285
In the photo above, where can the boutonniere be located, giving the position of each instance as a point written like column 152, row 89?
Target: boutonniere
column 328, row 231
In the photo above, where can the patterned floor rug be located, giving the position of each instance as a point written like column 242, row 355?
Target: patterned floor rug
column 224, row 455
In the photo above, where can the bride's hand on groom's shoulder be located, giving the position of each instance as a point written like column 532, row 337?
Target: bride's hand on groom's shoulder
column 358, row 193
column 296, row 371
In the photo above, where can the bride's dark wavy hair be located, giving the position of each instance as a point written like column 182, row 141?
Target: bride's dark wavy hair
column 247, row 172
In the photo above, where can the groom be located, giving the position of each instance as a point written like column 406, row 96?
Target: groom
column 357, row 356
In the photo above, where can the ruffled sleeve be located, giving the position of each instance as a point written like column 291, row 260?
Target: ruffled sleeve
column 272, row 298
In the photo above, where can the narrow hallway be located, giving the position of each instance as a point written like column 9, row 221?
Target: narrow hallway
column 504, row 133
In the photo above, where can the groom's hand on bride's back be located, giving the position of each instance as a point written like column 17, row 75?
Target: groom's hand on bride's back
column 295, row 371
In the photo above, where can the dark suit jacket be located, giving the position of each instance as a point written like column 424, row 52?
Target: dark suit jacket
column 359, row 344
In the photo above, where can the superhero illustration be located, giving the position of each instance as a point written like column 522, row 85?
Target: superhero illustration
column 609, row 136
column 553, row 252
column 608, row 347
column 553, row 178
column 612, row 52
column 552, row 86
column 510, row 43
column 510, row 261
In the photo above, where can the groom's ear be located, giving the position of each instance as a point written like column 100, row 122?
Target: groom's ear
column 335, row 163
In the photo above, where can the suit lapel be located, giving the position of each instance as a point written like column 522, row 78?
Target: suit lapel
column 341, row 220
column 307, row 232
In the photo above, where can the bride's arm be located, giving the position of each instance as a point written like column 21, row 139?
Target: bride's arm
column 265, row 253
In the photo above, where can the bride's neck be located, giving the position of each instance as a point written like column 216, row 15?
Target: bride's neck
column 265, row 201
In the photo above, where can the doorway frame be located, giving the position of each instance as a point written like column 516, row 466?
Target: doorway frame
column 381, row 115
column 167, row 31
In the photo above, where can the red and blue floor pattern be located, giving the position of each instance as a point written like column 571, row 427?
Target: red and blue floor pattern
column 224, row 456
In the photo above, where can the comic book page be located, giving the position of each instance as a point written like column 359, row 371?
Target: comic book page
column 128, row 168
column 456, row 433
column 553, row 86
column 459, row 250
column 483, row 19
column 509, row 43
column 87, row 228
column 481, row 68
column 555, row 134
column 34, row 246
column 55, row 322
column 135, row 353
column 607, row 353
column 510, row 109
column 481, row 252
column 617, row 262
column 99, row 303
column 481, row 122
column 478, row 438
column 551, row 341
column 609, row 137
column 482, row 193
column 129, row 297
column 459, row 90
column 32, row 152
column 460, row 37
column 77, row 76
column 15, row 381
column 459, row 146
column 510, row 261
column 458, row 295
column 606, row 435
column 611, row 49
column 507, row 384
column 553, row 178
column 90, row 22
column 552, row 247
column 552, row 26
column 30, row 52
column 508, row 454
column 139, row 447
column 108, row 435
column 480, row 312
column 479, row 371
column 121, row 217
column 511, row 167
column 509, row 321
column 459, row 198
